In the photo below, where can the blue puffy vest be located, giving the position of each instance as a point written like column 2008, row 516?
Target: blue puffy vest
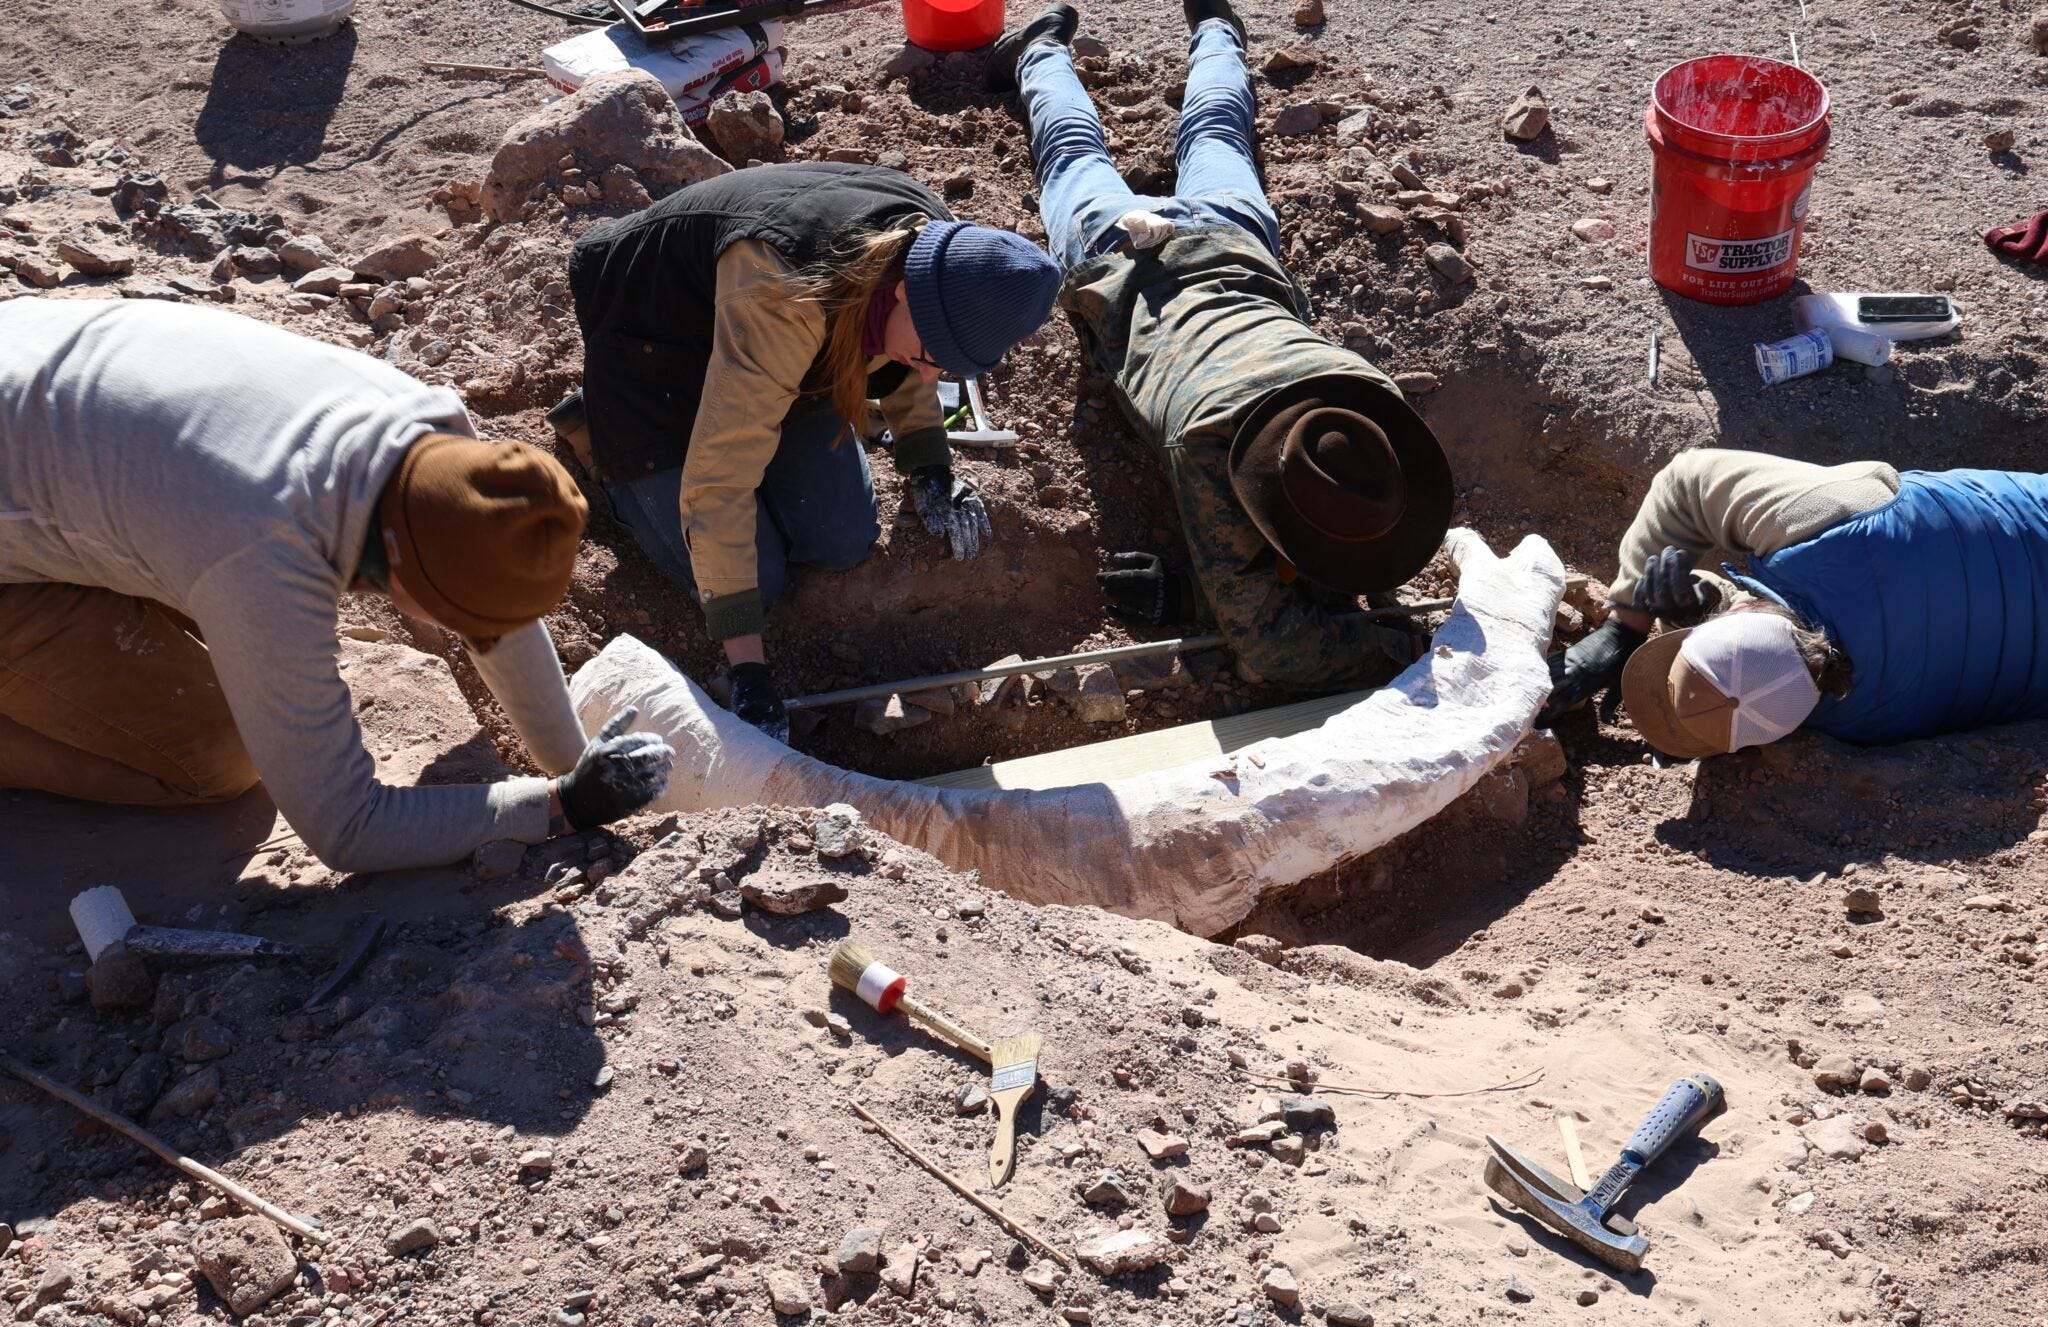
column 1940, row 598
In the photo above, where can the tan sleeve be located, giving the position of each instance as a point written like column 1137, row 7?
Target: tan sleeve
column 763, row 342
column 1746, row 503
column 917, row 422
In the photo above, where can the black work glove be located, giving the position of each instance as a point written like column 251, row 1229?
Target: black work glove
column 1668, row 590
column 755, row 699
column 1588, row 668
column 617, row 774
column 950, row 506
column 1141, row 589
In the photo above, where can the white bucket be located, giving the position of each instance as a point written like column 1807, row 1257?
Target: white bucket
column 287, row 20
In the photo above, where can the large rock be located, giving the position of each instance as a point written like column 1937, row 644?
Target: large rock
column 246, row 1260
column 623, row 118
column 399, row 259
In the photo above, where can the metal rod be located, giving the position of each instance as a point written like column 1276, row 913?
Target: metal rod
column 1178, row 645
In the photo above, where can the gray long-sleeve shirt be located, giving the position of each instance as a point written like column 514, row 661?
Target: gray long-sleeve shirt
column 230, row 470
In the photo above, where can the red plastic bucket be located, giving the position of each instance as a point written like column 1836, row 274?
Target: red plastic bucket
column 1734, row 140
column 953, row 25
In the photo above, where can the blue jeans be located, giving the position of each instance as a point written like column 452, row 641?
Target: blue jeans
column 815, row 506
column 1081, row 195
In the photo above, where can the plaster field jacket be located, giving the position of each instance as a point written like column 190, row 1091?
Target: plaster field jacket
column 230, row 471
column 1194, row 334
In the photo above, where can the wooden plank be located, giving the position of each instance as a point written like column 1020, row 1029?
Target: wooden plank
column 1141, row 753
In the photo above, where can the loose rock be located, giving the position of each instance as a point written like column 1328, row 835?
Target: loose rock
column 1122, row 1251
column 1528, row 117
column 396, row 260
column 2001, row 140
column 1108, row 1190
column 92, row 256
column 1161, row 1146
column 900, row 1272
column 970, row 1099
column 1836, row 1071
column 1449, row 262
column 787, row 1292
column 1280, row 1285
column 246, row 1260
column 1100, row 698
column 789, row 897
column 412, row 1237
column 1303, row 117
column 1593, row 230
column 860, row 1250
column 306, row 253
column 190, row 1095
column 1862, row 901
column 746, row 127
column 1350, row 1313
column 1185, row 1199
column 1308, row 14
column 837, row 831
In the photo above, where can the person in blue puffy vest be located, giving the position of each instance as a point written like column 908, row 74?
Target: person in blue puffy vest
column 1878, row 606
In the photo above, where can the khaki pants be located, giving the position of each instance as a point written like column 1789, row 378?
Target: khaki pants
column 111, row 699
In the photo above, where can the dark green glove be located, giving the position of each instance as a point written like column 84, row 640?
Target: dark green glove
column 950, row 506
column 1588, row 668
column 1140, row 589
column 755, row 699
column 1668, row 590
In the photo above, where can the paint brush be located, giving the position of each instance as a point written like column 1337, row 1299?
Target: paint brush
column 886, row 990
column 1015, row 1063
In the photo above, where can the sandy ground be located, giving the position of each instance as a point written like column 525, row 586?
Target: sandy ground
column 1630, row 924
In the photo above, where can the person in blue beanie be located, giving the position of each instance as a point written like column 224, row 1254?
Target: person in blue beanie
column 1878, row 606
column 733, row 334
column 1303, row 477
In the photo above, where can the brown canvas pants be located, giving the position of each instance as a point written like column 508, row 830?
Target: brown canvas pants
column 109, row 698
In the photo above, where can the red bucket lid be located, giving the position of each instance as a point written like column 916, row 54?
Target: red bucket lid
column 1748, row 103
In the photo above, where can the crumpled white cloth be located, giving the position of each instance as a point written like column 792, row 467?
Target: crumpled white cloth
column 1146, row 230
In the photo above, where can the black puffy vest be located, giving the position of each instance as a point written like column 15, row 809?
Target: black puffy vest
column 646, row 287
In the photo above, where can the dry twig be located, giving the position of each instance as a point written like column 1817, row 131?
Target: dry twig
column 1515, row 1084
column 205, row 1174
column 1009, row 1223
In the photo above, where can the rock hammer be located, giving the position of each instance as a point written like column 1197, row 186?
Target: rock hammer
column 1583, row 1218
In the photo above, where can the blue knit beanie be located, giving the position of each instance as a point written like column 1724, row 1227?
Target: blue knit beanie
column 974, row 292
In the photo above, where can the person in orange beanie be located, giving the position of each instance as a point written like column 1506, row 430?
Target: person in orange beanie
column 185, row 496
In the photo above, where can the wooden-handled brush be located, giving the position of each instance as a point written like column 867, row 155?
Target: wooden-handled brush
column 884, row 988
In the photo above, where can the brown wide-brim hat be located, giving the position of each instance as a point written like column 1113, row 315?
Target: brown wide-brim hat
column 1345, row 481
column 1672, row 704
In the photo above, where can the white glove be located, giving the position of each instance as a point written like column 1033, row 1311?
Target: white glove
column 1147, row 230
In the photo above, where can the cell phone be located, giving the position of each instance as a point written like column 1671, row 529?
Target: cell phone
column 1904, row 309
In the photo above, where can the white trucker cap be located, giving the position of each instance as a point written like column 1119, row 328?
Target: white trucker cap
column 1737, row 680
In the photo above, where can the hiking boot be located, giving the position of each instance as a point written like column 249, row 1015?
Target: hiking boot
column 1055, row 23
column 1199, row 12
column 568, row 421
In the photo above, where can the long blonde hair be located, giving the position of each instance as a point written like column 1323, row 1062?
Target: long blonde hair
column 844, row 285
